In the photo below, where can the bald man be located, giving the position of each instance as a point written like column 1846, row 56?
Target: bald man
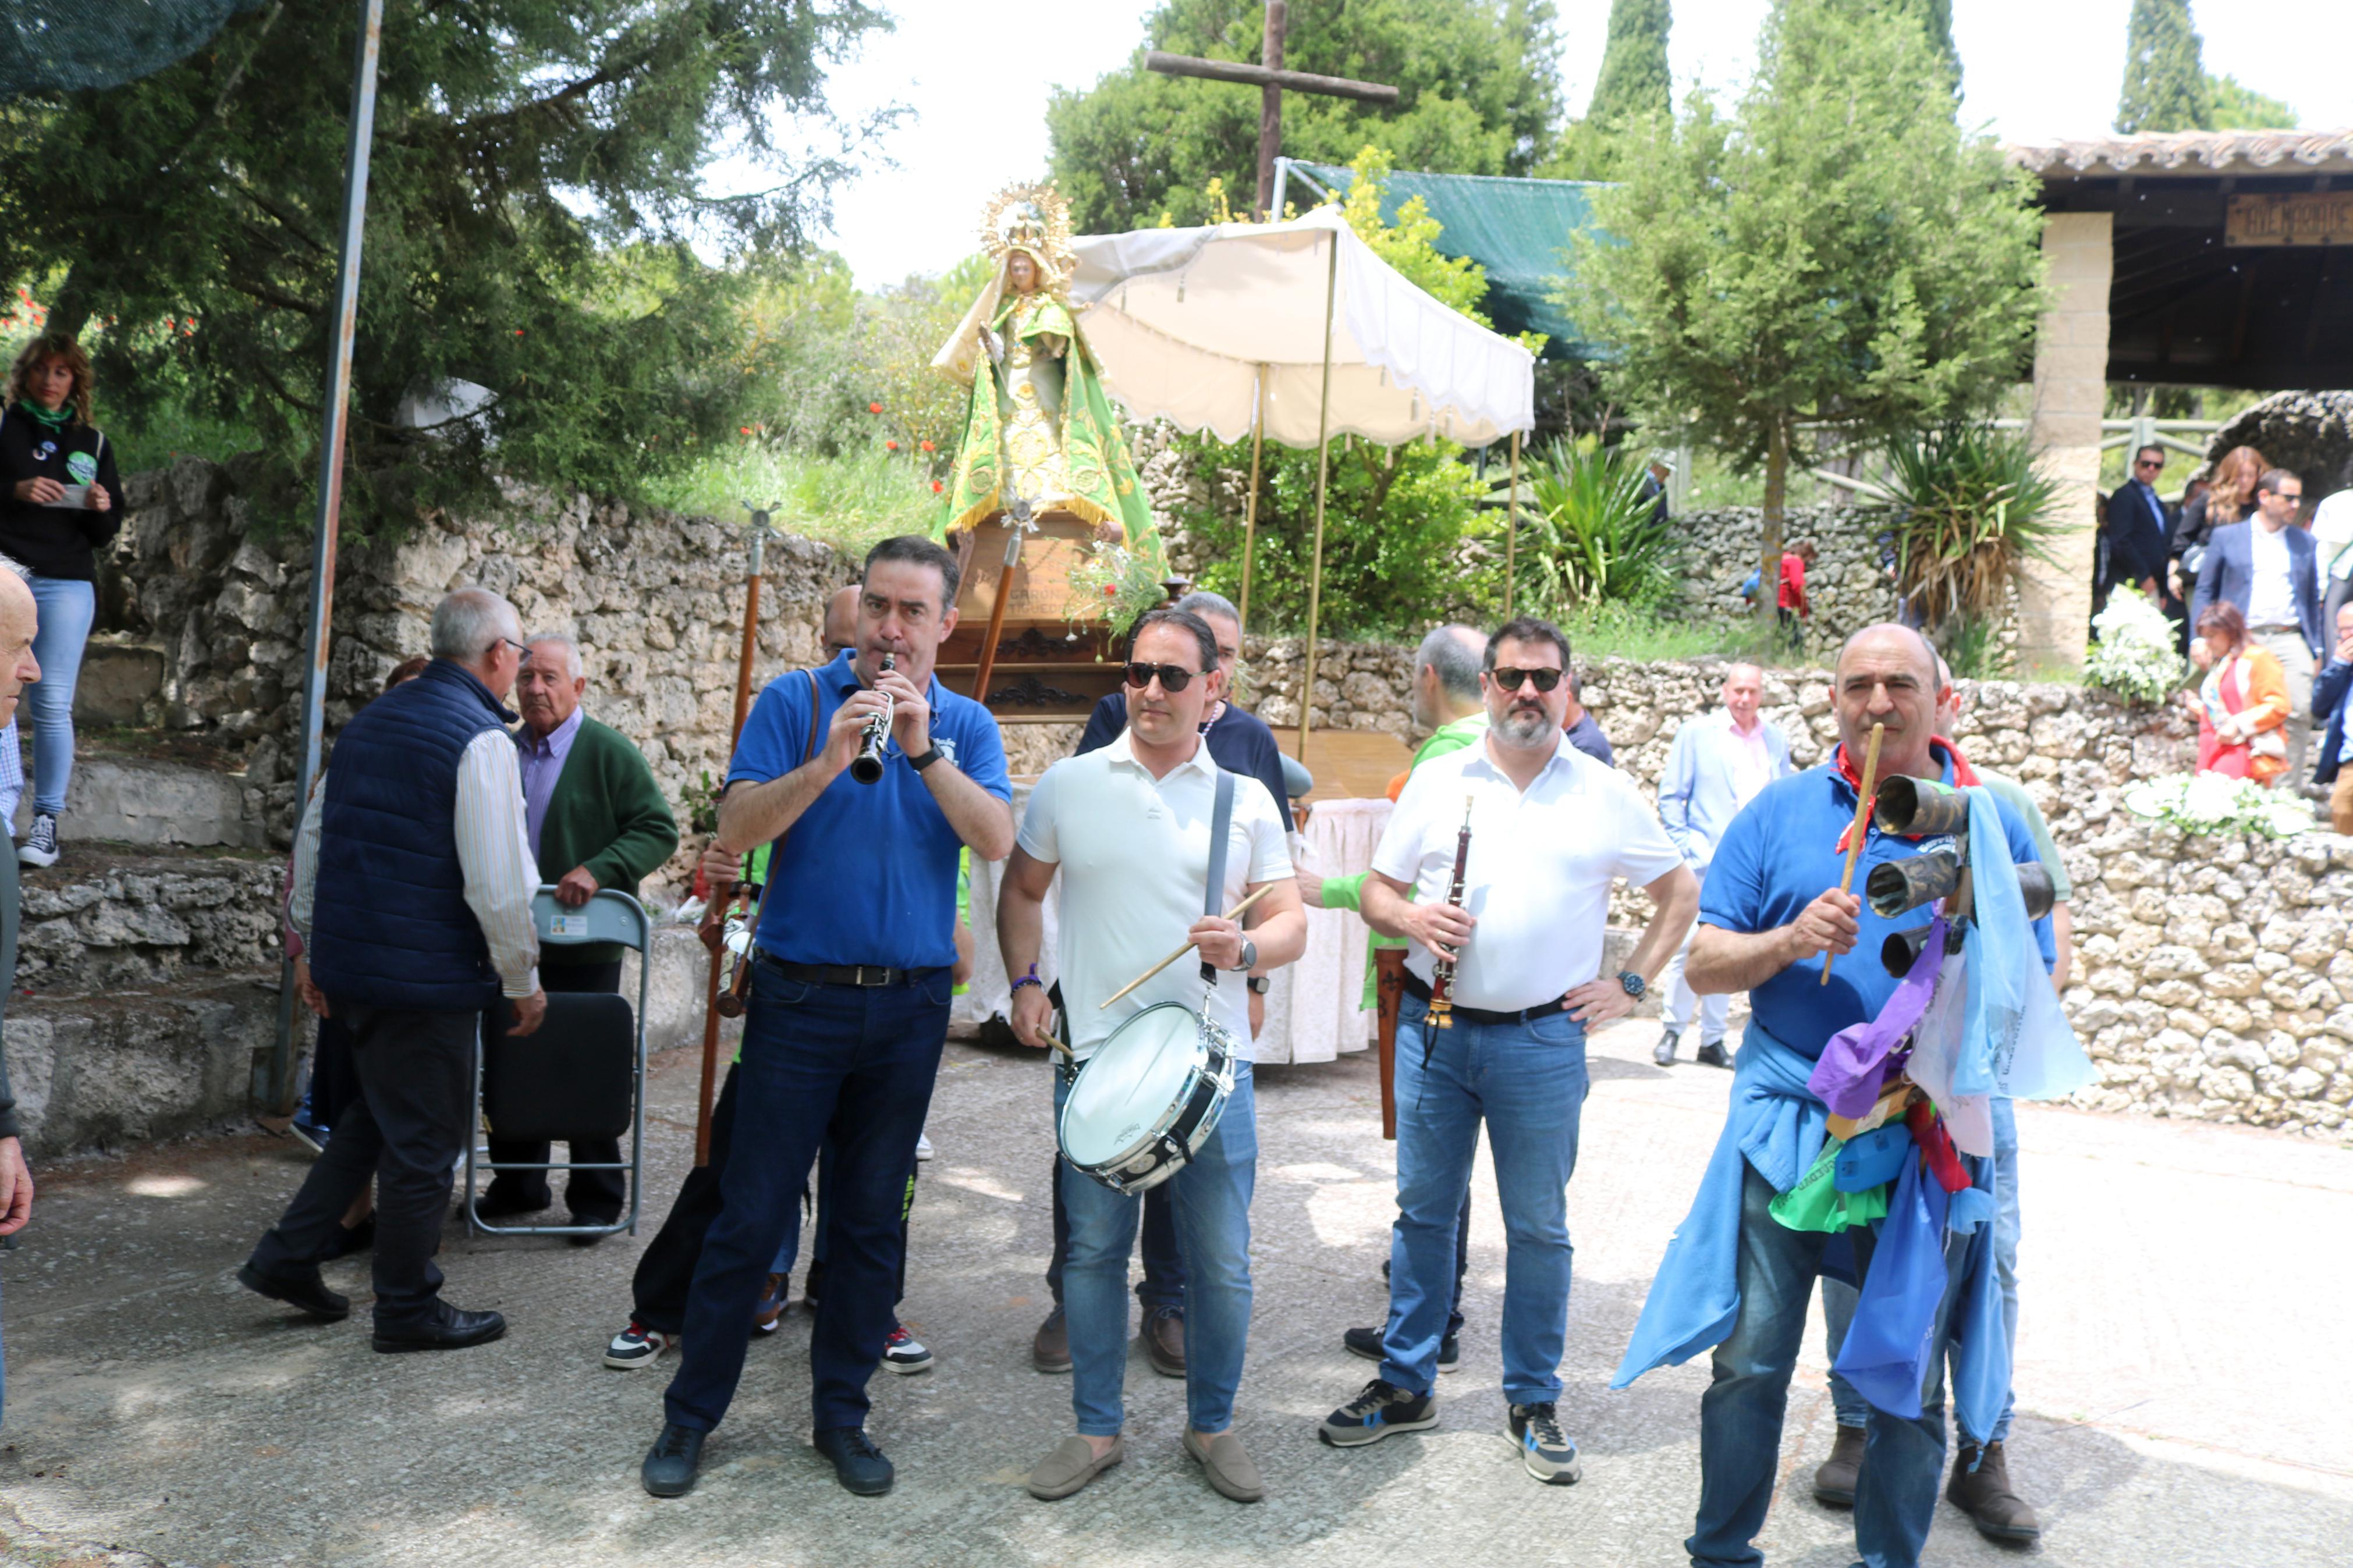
column 840, row 629
column 1771, row 919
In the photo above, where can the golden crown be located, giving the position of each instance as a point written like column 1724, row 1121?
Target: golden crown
column 1031, row 217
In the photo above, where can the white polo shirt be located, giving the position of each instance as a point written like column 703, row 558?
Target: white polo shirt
column 1541, row 865
column 1134, row 854
column 2271, row 587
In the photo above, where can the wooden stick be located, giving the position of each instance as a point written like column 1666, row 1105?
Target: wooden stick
column 1232, row 914
column 1863, row 805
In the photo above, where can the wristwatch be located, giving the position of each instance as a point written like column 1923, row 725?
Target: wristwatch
column 1249, row 960
column 1259, row 983
column 1634, row 984
column 930, row 754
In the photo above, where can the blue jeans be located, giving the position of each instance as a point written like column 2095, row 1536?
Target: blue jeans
column 790, row 1253
column 1839, row 1298
column 1528, row 1082
column 1740, row 1415
column 1212, row 1198
column 67, row 609
column 854, row 1062
column 1163, row 1284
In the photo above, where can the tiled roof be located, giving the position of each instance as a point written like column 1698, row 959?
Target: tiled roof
column 2193, row 152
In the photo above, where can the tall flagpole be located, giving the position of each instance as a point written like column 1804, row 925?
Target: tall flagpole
column 1249, row 507
column 1322, row 476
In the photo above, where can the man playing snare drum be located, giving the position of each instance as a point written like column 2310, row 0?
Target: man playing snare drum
column 1130, row 825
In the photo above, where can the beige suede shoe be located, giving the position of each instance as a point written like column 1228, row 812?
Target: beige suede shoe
column 1070, row 1467
column 1227, row 1466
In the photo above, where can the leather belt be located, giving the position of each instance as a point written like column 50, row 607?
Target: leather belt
column 1415, row 986
column 864, row 975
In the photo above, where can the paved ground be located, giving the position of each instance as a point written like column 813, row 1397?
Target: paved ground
column 2185, row 1393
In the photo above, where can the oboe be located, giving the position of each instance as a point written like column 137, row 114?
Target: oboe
column 867, row 766
column 1441, row 984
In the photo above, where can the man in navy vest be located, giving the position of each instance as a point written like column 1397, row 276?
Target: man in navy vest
column 850, row 982
column 413, row 882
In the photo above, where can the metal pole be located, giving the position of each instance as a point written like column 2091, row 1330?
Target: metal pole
column 1323, row 472
column 276, row 1089
column 1512, row 528
column 1249, row 507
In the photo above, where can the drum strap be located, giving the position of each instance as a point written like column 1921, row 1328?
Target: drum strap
column 1221, row 821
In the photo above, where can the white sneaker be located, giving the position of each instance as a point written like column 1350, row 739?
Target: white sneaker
column 637, row 1346
column 904, row 1353
column 922, row 1147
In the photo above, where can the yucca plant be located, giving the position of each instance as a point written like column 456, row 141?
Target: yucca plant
column 1587, row 532
column 1970, row 505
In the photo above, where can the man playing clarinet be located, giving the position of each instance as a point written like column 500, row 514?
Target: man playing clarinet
column 1131, row 828
column 850, row 995
column 1511, row 959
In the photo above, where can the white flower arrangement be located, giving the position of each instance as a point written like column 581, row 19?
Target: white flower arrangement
column 2137, row 654
column 2215, row 804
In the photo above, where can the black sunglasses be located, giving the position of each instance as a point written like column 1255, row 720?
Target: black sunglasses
column 1509, row 679
column 2148, row 462
column 1173, row 677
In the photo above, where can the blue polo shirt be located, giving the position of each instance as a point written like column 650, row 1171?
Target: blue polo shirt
column 868, row 875
column 1779, row 855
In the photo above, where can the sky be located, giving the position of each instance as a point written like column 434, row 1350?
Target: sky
column 2032, row 70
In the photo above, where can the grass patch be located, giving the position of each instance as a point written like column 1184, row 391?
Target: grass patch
column 850, row 502
column 1602, row 631
column 156, row 436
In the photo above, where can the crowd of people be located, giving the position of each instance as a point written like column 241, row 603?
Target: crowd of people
column 2259, row 587
column 445, row 811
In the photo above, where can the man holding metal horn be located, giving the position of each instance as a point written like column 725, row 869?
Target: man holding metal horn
column 849, row 1008
column 1149, row 833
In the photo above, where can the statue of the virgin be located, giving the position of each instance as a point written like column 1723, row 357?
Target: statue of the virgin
column 1040, row 435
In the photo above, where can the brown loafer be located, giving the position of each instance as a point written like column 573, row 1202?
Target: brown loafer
column 1163, row 1340
column 1051, row 1350
column 1070, row 1467
column 1227, row 1466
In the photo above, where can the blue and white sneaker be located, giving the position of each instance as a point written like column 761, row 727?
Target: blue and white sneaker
column 1382, row 1408
column 1545, row 1449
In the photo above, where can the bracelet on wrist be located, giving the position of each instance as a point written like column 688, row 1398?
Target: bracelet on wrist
column 1028, row 979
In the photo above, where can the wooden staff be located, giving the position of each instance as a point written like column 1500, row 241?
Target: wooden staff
column 1232, row 914
column 1862, row 804
column 715, row 919
column 1388, row 990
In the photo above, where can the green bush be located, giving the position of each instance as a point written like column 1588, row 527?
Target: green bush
column 1588, row 534
column 1970, row 508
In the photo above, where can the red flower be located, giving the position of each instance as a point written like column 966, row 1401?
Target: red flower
column 874, row 408
column 517, row 332
column 1110, row 590
column 742, row 430
column 892, row 445
column 925, row 445
column 937, row 487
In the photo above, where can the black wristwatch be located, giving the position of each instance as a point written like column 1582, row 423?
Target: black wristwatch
column 1259, row 983
column 1634, row 984
column 931, row 756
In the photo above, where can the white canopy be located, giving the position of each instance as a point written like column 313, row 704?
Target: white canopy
column 1183, row 320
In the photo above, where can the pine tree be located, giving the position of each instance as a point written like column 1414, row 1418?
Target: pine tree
column 1633, row 82
column 2165, row 87
column 2238, row 107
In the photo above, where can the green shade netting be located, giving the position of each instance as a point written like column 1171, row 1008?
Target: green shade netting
column 64, row 46
column 1519, row 230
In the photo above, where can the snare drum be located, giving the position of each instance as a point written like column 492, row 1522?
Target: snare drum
column 1149, row 1098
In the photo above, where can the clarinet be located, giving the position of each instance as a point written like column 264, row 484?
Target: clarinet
column 1441, row 984
column 867, row 766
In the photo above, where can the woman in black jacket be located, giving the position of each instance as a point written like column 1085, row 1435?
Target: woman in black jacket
column 60, row 502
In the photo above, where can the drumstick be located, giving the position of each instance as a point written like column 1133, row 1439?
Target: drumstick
column 1862, row 825
column 1232, row 914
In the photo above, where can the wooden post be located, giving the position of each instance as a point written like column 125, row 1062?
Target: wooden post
column 1388, row 990
column 715, row 926
column 997, row 611
column 1249, row 507
column 1323, row 477
column 1512, row 528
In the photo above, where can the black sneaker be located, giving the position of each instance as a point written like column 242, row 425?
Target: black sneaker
column 1545, row 1449
column 1715, row 1055
column 1382, row 1408
column 40, row 846
column 670, row 1463
column 1366, row 1342
column 857, row 1463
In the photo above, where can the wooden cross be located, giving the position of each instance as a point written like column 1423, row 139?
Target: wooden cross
column 1271, row 79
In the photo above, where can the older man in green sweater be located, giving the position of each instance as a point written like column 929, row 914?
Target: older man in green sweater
column 597, row 819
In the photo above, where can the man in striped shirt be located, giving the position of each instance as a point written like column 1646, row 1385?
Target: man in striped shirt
column 413, row 884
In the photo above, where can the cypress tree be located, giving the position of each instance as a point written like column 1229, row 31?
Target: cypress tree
column 2165, row 88
column 1633, row 82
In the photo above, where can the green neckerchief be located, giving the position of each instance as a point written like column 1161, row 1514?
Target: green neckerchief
column 50, row 419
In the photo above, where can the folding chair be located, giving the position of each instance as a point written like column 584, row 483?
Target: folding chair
column 582, row 1073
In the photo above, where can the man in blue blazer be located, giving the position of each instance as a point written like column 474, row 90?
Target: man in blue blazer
column 2266, row 566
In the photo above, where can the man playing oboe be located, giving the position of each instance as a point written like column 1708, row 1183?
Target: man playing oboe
column 850, row 995
column 1549, row 830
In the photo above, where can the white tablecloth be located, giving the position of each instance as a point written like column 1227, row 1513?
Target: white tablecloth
column 1311, row 1014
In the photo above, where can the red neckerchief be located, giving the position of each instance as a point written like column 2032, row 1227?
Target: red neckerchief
column 1962, row 774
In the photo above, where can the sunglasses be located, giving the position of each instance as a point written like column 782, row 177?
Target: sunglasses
column 1172, row 677
column 2149, row 463
column 1509, row 679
